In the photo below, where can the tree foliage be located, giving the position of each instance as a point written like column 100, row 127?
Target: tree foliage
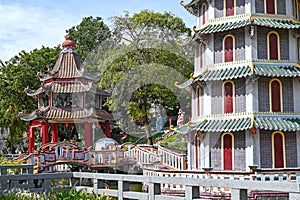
column 88, row 35
column 17, row 74
column 145, row 38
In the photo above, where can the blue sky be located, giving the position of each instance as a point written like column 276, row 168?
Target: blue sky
column 29, row 24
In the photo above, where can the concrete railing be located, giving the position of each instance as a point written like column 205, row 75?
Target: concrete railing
column 141, row 155
column 172, row 159
column 93, row 183
column 238, row 188
column 22, row 177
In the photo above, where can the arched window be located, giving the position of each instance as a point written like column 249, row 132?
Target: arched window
column 275, row 95
column 278, row 150
column 228, row 150
column 198, row 99
column 229, row 7
column 273, row 46
column 201, row 57
column 228, row 94
column 203, row 12
column 228, row 47
column 270, row 6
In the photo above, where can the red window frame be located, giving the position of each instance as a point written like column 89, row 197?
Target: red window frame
column 275, row 96
column 203, row 9
column 229, row 7
column 228, row 97
column 270, row 6
column 198, row 94
column 201, row 55
column 273, row 46
column 228, row 49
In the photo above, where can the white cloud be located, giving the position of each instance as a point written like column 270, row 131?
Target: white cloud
column 25, row 27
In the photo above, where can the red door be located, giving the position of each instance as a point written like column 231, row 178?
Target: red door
column 227, row 151
column 228, row 43
column 273, row 46
column 228, row 97
column 196, row 152
column 275, row 96
column 278, row 151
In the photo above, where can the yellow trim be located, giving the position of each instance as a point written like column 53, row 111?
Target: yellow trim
column 252, row 120
column 278, row 43
column 234, row 8
column 233, row 46
column 232, row 148
column 189, row 123
column 233, row 95
column 265, row 6
column 270, row 93
column 283, row 148
column 252, row 67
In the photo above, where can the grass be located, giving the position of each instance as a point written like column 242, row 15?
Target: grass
column 174, row 142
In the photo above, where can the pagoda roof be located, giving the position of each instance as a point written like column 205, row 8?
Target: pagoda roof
column 68, row 65
column 237, row 21
column 63, row 114
column 233, row 70
column 244, row 121
column 74, row 86
column 191, row 7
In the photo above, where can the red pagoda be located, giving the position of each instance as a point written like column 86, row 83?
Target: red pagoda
column 69, row 103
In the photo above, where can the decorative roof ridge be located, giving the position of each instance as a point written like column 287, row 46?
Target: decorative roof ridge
column 278, row 114
column 239, row 115
column 273, row 16
column 229, row 64
column 219, row 20
column 266, row 61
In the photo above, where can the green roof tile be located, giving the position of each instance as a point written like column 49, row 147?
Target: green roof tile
column 277, row 123
column 226, row 73
column 225, row 125
column 278, row 70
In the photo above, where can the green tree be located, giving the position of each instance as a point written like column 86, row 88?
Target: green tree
column 15, row 75
column 149, row 49
column 88, row 35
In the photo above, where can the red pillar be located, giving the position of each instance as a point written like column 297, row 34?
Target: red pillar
column 107, row 129
column 88, row 135
column 54, row 132
column 30, row 140
column 45, row 135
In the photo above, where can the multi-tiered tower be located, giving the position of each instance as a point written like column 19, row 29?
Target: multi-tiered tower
column 246, row 85
column 69, row 101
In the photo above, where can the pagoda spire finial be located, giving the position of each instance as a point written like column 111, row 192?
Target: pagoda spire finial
column 68, row 43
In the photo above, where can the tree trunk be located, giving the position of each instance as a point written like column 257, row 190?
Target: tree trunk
column 148, row 134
